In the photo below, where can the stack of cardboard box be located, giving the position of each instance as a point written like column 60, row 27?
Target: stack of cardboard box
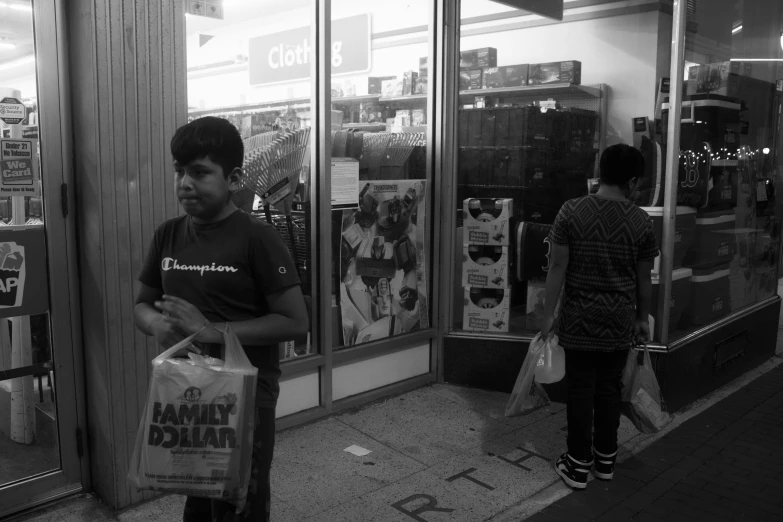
column 486, row 260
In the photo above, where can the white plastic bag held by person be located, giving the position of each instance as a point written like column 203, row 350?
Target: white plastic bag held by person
column 550, row 366
column 196, row 433
column 527, row 394
column 641, row 395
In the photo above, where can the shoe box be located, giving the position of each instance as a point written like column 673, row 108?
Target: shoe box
column 715, row 240
column 679, row 302
column 710, row 295
column 684, row 230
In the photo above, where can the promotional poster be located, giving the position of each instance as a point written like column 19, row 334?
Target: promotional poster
column 383, row 289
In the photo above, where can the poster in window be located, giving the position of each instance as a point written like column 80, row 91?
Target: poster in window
column 383, row 290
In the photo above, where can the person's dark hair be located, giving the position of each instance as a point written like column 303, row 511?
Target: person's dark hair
column 620, row 164
column 211, row 137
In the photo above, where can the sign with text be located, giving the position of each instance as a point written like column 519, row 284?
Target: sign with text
column 12, row 111
column 287, row 56
column 208, row 8
column 24, row 282
column 19, row 168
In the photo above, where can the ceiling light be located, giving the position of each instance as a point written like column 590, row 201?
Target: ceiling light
column 781, row 40
column 17, row 63
column 766, row 150
column 736, row 29
column 757, row 59
column 6, row 45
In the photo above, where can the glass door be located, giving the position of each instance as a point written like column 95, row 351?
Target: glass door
column 39, row 437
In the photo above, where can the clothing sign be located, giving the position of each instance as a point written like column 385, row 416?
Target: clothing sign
column 19, row 168
column 287, row 56
column 24, row 284
column 12, row 111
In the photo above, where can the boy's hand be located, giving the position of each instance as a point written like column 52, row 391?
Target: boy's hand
column 183, row 315
column 547, row 322
column 641, row 331
column 165, row 332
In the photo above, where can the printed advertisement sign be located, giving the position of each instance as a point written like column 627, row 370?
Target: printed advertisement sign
column 24, row 283
column 19, row 167
column 12, row 111
column 383, row 262
column 286, row 56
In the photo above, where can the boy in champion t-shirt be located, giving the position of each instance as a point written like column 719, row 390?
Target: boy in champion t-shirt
column 217, row 265
column 603, row 247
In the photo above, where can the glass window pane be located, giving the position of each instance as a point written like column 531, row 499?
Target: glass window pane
column 538, row 103
column 29, row 435
column 381, row 189
column 727, row 244
column 252, row 67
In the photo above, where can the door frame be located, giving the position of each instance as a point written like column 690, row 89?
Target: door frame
column 55, row 131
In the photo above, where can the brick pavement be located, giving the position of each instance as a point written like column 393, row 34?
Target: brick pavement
column 725, row 463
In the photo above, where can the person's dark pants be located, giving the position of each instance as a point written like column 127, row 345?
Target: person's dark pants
column 259, row 493
column 594, row 383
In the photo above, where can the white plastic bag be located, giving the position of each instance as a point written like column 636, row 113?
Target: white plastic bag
column 196, row 433
column 641, row 395
column 550, row 366
column 527, row 394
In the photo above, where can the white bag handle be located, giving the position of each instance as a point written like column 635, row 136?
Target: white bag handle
column 174, row 349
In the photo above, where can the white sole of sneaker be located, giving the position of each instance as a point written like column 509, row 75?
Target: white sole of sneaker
column 572, row 483
column 603, row 476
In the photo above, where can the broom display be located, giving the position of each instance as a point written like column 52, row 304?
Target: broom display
column 272, row 171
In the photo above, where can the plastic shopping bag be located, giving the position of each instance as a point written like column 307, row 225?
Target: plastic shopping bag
column 196, row 433
column 550, row 365
column 641, row 396
column 527, row 394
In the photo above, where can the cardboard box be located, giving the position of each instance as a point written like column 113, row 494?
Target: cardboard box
column 487, row 226
column 470, row 79
column 392, row 88
column 505, row 76
column 721, row 78
column 475, row 58
column 556, row 72
column 420, row 87
column 409, row 79
column 375, row 83
column 424, row 67
column 486, row 310
column 418, row 117
column 485, row 266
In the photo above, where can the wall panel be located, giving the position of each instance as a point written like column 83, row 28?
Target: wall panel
column 128, row 82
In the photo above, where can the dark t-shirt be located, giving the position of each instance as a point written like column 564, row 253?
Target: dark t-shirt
column 606, row 240
column 226, row 270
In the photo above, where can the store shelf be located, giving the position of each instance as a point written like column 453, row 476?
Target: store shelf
column 352, row 100
column 551, row 89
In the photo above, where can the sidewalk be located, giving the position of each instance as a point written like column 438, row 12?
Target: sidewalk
column 446, row 453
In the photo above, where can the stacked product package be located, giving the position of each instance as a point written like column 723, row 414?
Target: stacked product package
column 486, row 264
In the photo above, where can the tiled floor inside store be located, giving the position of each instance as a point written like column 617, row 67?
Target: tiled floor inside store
column 439, row 453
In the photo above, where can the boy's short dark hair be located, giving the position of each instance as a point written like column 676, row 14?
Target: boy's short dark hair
column 209, row 136
column 620, row 164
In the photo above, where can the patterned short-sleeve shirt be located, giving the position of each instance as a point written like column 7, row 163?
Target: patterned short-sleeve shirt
column 606, row 240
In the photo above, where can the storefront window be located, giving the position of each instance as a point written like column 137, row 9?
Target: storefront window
column 727, row 238
column 381, row 187
column 250, row 63
column 538, row 102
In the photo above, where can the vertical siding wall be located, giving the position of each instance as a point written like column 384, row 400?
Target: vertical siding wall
column 127, row 62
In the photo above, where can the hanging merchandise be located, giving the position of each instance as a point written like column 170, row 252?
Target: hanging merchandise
column 641, row 395
column 196, row 432
column 527, row 394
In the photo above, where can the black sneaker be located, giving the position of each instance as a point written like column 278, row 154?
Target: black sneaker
column 604, row 465
column 573, row 472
